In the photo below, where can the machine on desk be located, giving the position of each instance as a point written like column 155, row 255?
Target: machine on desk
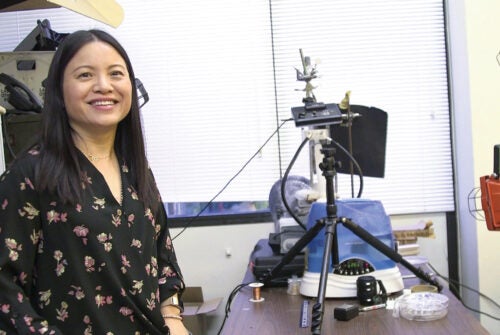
column 355, row 256
column 263, row 258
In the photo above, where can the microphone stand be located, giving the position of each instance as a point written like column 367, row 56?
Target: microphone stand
column 328, row 167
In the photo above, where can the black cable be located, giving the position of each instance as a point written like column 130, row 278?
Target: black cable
column 292, row 162
column 285, row 177
column 355, row 162
column 230, row 180
column 453, row 283
column 227, row 309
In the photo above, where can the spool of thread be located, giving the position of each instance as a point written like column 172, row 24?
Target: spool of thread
column 256, row 294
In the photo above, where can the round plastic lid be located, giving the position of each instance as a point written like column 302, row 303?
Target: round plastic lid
column 423, row 306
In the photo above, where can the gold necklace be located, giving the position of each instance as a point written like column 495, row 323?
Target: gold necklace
column 94, row 158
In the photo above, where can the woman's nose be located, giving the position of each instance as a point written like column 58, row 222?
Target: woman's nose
column 103, row 84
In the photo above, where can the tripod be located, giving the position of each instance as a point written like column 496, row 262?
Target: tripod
column 328, row 167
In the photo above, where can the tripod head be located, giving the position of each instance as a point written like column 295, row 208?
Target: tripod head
column 328, row 166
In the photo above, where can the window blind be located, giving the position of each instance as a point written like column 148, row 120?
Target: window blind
column 391, row 55
column 220, row 76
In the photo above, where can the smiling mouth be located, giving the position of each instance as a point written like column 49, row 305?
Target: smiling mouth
column 103, row 103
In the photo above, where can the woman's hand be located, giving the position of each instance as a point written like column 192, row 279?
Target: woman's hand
column 173, row 320
column 176, row 327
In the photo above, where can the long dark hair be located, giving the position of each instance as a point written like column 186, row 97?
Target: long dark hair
column 59, row 171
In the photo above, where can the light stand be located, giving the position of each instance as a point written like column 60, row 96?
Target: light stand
column 328, row 167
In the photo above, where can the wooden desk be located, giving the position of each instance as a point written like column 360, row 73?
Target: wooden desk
column 279, row 314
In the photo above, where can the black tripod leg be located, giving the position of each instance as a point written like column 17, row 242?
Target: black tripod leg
column 318, row 307
column 392, row 254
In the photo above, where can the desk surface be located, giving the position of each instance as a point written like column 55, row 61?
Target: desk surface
column 279, row 314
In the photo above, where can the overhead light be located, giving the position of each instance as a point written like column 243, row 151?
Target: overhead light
column 106, row 11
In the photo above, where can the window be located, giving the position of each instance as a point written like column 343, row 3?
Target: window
column 221, row 79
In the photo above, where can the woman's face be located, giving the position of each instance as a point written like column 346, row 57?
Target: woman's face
column 97, row 90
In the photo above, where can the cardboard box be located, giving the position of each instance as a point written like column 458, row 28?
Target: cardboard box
column 196, row 309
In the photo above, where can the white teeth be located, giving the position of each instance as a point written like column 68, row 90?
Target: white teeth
column 103, row 103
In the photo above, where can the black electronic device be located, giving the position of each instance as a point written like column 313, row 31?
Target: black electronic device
column 263, row 258
column 316, row 114
column 345, row 312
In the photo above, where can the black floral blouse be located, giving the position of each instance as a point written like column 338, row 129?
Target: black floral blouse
column 96, row 268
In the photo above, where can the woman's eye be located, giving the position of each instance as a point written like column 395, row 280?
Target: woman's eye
column 84, row 75
column 117, row 74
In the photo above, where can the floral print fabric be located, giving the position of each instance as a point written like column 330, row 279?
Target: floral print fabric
column 99, row 267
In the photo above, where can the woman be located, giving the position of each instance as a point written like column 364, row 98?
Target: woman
column 85, row 248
